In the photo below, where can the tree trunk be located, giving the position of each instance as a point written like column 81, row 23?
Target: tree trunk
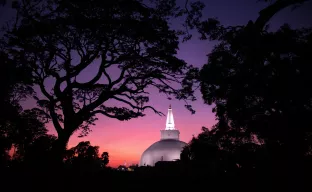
column 295, row 162
column 58, row 150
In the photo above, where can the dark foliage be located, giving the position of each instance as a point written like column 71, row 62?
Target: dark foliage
column 104, row 159
column 258, row 80
column 259, row 83
column 85, row 157
column 18, row 128
column 59, row 40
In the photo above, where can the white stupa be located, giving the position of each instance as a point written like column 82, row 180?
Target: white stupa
column 168, row 148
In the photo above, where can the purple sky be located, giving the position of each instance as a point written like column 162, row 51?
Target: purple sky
column 125, row 141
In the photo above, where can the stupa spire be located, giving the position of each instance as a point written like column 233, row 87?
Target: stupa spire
column 170, row 121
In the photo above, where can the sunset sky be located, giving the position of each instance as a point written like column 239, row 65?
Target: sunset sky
column 125, row 141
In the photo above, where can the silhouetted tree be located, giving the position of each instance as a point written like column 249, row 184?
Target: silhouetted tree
column 206, row 152
column 104, row 159
column 13, row 3
column 5, row 146
column 259, row 82
column 15, row 83
column 39, row 152
column 84, row 156
column 15, row 86
column 26, row 129
column 130, row 44
column 225, row 157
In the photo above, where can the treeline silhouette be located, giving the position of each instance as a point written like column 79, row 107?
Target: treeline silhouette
column 258, row 80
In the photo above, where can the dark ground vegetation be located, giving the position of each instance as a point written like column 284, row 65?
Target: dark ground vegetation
column 259, row 81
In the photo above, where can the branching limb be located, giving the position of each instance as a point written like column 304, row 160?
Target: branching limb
column 55, row 118
column 122, row 114
column 266, row 14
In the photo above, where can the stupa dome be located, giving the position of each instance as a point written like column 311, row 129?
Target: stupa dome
column 163, row 150
column 168, row 148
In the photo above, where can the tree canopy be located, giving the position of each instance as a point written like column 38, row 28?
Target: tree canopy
column 18, row 128
column 86, row 156
column 259, row 79
column 59, row 40
column 259, row 82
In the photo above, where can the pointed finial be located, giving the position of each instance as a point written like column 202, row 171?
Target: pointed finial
column 170, row 121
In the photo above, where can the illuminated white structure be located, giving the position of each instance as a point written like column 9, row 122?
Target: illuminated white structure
column 170, row 120
column 168, row 148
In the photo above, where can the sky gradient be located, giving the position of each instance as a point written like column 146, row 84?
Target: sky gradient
column 126, row 141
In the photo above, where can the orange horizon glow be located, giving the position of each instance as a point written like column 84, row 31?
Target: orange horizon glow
column 125, row 141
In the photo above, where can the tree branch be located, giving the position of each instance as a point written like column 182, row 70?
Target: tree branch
column 54, row 118
column 266, row 14
column 104, row 113
column 85, row 62
column 44, row 91
column 155, row 111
